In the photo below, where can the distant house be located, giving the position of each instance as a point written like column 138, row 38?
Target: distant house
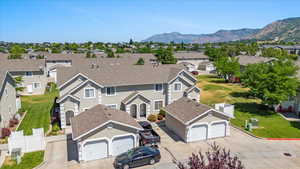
column 194, row 58
column 9, row 103
column 291, row 49
column 137, row 90
column 33, row 74
column 245, row 60
column 207, row 66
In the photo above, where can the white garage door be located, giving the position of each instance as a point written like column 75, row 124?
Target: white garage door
column 198, row 132
column 95, row 150
column 122, row 144
column 218, row 129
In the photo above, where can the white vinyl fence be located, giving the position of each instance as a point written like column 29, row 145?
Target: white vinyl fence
column 34, row 142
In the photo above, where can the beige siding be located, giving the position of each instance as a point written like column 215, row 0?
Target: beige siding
column 176, row 126
column 8, row 106
column 175, row 95
column 110, row 132
column 87, row 103
column 210, row 118
column 71, row 85
column 194, row 94
column 124, row 91
column 37, row 77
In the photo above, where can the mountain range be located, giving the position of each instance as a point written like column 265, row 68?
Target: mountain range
column 286, row 30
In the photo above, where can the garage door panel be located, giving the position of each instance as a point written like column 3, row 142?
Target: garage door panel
column 218, row 129
column 198, row 132
column 93, row 150
column 122, row 144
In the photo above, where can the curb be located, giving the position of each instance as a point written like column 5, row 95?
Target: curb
column 286, row 139
column 262, row 138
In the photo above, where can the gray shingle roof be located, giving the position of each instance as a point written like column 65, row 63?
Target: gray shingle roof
column 97, row 116
column 119, row 74
column 190, row 55
column 245, row 60
column 185, row 109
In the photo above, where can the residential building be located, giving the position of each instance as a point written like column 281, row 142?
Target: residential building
column 9, row 103
column 245, row 60
column 136, row 89
column 193, row 121
column 102, row 132
column 32, row 72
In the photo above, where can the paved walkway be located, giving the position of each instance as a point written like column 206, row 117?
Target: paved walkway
column 254, row 153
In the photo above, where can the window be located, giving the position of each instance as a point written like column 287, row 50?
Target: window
column 110, row 91
column 89, row 93
column 112, row 106
column 177, row 86
column 158, row 105
column 6, row 92
column 36, row 85
column 28, row 73
column 158, row 87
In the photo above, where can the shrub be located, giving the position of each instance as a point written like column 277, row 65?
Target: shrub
column 55, row 127
column 5, row 132
column 160, row 117
column 162, row 113
column 217, row 158
column 152, row 118
column 13, row 122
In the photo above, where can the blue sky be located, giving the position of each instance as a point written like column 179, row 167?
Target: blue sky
column 120, row 20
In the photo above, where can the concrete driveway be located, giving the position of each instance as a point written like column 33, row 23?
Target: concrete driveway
column 254, row 153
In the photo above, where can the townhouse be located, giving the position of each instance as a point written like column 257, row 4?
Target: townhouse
column 32, row 72
column 9, row 102
column 139, row 90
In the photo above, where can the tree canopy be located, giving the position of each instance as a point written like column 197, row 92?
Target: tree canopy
column 16, row 52
column 272, row 83
column 140, row 61
column 165, row 56
column 227, row 67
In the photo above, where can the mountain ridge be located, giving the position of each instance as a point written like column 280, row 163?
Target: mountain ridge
column 286, row 29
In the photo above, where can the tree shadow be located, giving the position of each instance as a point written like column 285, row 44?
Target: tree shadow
column 241, row 94
column 295, row 124
column 254, row 108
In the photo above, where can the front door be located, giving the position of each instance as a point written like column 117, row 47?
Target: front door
column 133, row 111
column 143, row 110
column 29, row 88
column 69, row 115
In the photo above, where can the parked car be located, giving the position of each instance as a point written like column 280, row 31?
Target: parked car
column 148, row 137
column 136, row 157
column 195, row 72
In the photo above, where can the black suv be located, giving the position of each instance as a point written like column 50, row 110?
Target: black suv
column 137, row 157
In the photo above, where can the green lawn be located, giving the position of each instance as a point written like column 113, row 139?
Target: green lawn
column 271, row 124
column 38, row 109
column 29, row 161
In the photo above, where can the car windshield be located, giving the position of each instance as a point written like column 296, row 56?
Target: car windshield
column 131, row 152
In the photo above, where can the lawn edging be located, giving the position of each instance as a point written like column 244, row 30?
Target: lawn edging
column 22, row 118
